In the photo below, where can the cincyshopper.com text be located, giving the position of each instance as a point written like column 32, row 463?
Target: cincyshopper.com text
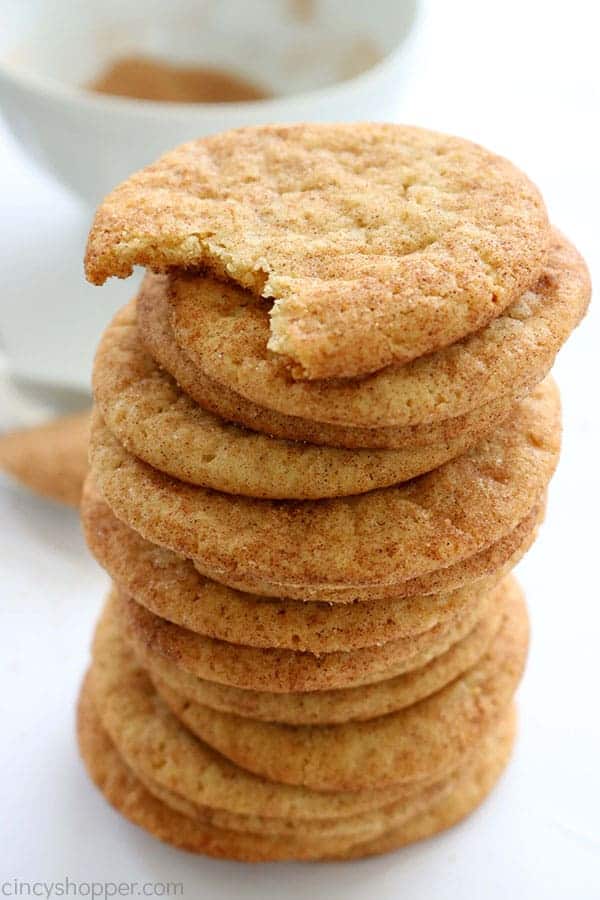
column 98, row 890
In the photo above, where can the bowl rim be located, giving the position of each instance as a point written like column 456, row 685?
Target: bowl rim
column 81, row 96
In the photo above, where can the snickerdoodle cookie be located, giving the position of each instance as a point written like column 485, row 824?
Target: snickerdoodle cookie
column 161, row 751
column 50, row 459
column 341, row 548
column 172, row 588
column 279, row 670
column 333, row 832
column 424, row 740
column 154, row 419
column 377, row 243
column 153, row 313
column 223, row 331
column 332, row 706
column 124, row 790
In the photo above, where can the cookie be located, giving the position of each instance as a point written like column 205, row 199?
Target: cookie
column 344, row 547
column 150, row 415
column 282, row 671
column 424, row 740
column 153, row 309
column 331, row 833
column 484, row 563
column 167, row 756
column 318, row 837
column 464, row 799
column 173, row 589
column 127, row 794
column 50, row 459
column 377, row 243
column 333, row 706
column 223, row 331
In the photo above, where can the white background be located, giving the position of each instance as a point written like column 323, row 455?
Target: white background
column 523, row 79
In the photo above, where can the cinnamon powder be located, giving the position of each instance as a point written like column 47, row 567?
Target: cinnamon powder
column 148, row 79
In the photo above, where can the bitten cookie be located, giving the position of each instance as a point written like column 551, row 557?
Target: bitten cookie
column 223, row 330
column 153, row 314
column 377, row 243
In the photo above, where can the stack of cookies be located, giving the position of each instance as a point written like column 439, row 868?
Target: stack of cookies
column 322, row 439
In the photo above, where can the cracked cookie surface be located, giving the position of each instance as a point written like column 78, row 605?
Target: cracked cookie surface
column 153, row 311
column 376, row 243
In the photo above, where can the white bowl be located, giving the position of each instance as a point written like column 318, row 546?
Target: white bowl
column 324, row 60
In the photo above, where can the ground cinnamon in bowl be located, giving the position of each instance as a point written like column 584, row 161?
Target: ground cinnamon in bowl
column 144, row 78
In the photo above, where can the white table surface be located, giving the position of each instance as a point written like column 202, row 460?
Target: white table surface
column 524, row 82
